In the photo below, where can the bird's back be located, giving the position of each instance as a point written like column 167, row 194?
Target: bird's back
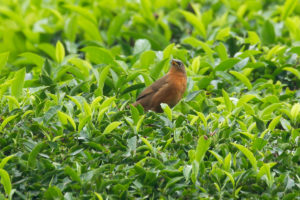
column 169, row 89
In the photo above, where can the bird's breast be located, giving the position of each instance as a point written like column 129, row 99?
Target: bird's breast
column 178, row 86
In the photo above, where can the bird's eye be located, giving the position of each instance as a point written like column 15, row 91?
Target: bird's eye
column 177, row 63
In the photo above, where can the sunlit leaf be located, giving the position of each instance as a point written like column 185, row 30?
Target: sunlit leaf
column 5, row 160
column 195, row 21
column 111, row 127
column 6, row 120
column 5, row 181
column 248, row 154
column 59, row 52
column 242, row 78
column 32, row 159
column 288, row 8
column 227, row 101
column 293, row 71
column 64, row 119
column 167, row 110
column 18, row 83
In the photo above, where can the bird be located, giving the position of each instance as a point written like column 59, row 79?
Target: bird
column 168, row 89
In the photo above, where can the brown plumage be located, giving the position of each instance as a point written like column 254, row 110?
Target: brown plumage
column 168, row 89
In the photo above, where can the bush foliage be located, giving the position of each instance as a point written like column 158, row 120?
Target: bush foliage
column 69, row 70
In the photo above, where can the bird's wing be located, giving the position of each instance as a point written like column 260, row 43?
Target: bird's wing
column 156, row 86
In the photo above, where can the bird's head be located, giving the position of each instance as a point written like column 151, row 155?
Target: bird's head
column 178, row 64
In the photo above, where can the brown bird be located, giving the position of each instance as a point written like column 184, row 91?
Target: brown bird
column 168, row 89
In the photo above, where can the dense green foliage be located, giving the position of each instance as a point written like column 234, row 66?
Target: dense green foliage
column 69, row 71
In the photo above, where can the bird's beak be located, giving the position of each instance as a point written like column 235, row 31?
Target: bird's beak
column 173, row 62
column 176, row 62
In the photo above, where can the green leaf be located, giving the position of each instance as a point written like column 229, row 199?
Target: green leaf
column 249, row 135
column 202, row 146
column 268, row 33
column 48, row 49
column 168, row 51
column 102, row 78
column 253, row 38
column 3, row 59
column 203, row 119
column 47, row 68
column 139, row 123
column 99, row 197
column 141, row 45
column 70, row 28
column 227, row 162
column 147, row 58
column 82, row 11
column 173, row 181
column 293, row 71
column 248, row 154
column 195, row 21
column 64, row 119
column 135, row 114
column 227, row 64
column 115, row 26
column 32, row 159
column 197, row 43
column 295, row 50
column 5, row 181
column 285, row 124
column 77, row 103
column 8, row 119
column 266, row 170
column 156, row 70
column 244, row 99
column 90, row 29
column 196, row 64
column 288, row 8
column 82, row 65
column 59, row 52
column 87, row 109
column 146, row 10
column 195, row 171
column 107, row 102
column 147, row 143
column 167, row 110
column 266, row 112
column 223, row 33
column 259, row 143
column 5, row 160
column 99, row 55
column 73, row 175
column 222, row 52
column 53, row 193
column 227, row 101
column 83, row 121
column 33, row 58
column 191, row 96
column 242, row 78
column 18, row 83
column 274, row 123
column 217, row 156
column 295, row 111
column 133, row 87
column 101, row 114
column 230, row 177
column 95, row 102
column 112, row 126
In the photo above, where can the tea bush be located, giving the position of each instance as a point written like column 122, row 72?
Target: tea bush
column 70, row 69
